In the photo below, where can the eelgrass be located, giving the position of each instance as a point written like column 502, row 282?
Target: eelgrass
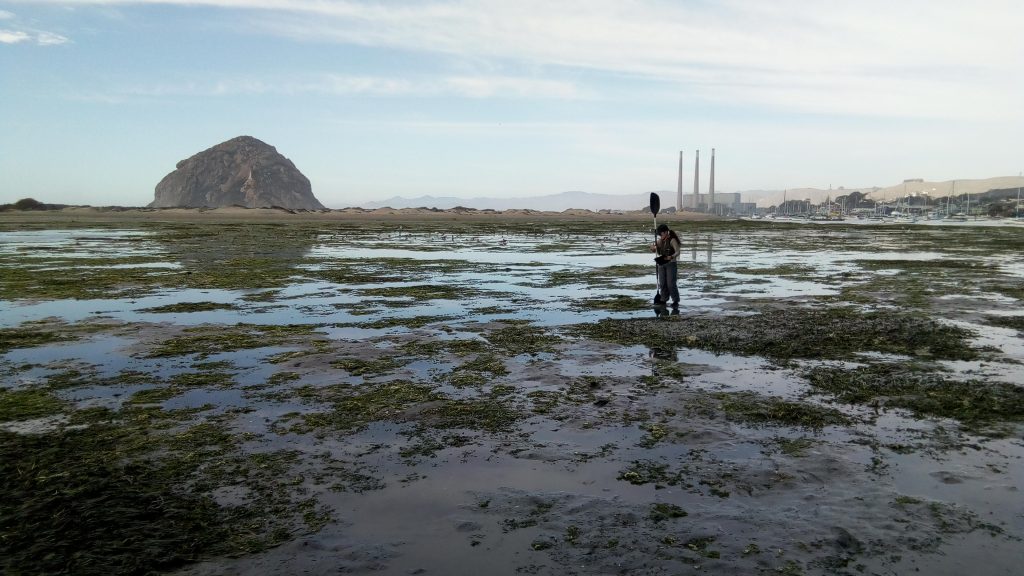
column 74, row 505
column 977, row 404
column 836, row 332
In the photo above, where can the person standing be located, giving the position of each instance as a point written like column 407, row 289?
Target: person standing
column 667, row 246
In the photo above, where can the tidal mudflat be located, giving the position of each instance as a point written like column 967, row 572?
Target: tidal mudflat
column 500, row 398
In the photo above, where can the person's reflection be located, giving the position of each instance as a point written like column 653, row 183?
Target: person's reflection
column 662, row 353
column 660, row 311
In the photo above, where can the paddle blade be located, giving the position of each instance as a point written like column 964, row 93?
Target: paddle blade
column 655, row 203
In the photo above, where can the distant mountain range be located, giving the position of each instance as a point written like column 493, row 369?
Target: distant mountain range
column 639, row 201
column 550, row 202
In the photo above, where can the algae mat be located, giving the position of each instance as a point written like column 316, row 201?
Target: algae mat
column 499, row 398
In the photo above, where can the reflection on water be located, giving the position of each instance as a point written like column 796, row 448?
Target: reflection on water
column 662, row 311
column 548, row 275
column 512, row 274
column 75, row 243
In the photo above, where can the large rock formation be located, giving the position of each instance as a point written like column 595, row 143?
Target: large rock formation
column 242, row 171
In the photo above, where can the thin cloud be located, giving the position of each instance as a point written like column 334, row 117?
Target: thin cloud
column 13, row 37
column 468, row 127
column 50, row 39
column 37, row 38
column 27, row 35
column 341, row 85
column 513, row 87
column 380, row 86
column 791, row 55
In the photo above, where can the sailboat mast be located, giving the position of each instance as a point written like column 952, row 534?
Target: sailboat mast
column 1018, row 194
column 679, row 186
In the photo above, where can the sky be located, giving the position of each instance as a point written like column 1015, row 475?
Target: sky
column 99, row 99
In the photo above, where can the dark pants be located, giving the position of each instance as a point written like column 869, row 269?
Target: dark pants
column 667, row 282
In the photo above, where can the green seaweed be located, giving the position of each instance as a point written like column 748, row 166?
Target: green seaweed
column 797, row 271
column 14, row 338
column 977, row 404
column 1012, row 322
column 544, row 401
column 924, row 265
column 422, row 292
column 30, row 281
column 154, row 395
column 476, row 372
column 352, row 408
column 278, row 378
column 432, row 348
column 753, row 408
column 1010, row 291
column 203, row 379
column 122, row 493
column 28, row 404
column 522, row 339
column 655, row 432
column 795, row 447
column 374, row 367
column 640, row 472
column 180, row 307
column 833, row 332
column 399, row 322
column 206, row 340
column 700, row 546
column 662, row 511
column 486, row 414
column 79, row 509
column 615, row 303
column 67, row 379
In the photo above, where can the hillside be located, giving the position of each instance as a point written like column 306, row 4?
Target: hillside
column 765, row 198
column 638, row 200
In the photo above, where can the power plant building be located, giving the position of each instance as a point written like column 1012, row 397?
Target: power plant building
column 728, row 203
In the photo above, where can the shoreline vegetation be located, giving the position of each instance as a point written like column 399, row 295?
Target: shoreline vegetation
column 239, row 213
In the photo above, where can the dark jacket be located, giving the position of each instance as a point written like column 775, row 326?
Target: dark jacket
column 668, row 250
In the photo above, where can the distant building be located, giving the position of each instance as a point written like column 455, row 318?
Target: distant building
column 746, row 208
column 728, row 203
column 727, row 198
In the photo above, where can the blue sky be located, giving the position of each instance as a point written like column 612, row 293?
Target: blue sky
column 99, row 99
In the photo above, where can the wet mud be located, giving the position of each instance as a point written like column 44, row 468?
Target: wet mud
column 485, row 398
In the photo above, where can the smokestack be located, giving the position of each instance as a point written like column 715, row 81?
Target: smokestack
column 696, row 179
column 711, row 184
column 679, row 188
